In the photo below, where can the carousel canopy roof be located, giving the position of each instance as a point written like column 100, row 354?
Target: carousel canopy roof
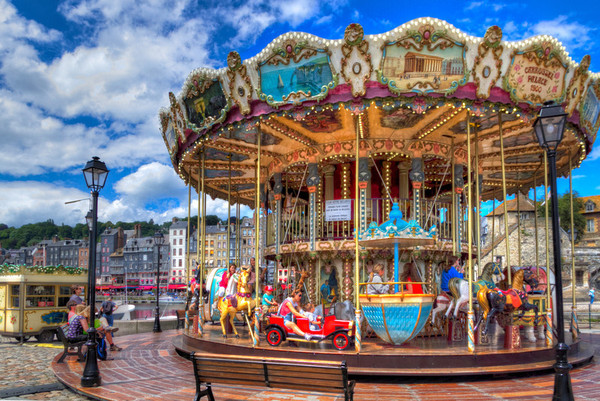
column 407, row 93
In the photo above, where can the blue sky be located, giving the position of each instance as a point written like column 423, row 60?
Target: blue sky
column 80, row 78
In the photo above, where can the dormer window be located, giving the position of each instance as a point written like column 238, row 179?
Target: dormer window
column 589, row 206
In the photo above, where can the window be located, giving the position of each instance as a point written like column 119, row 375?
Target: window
column 174, row 263
column 589, row 206
column 180, row 251
column 180, row 241
column 174, row 241
column 180, row 262
column 590, row 225
column 180, row 232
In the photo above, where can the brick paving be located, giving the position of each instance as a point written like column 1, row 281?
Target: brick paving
column 149, row 369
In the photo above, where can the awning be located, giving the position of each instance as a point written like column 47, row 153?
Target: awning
column 146, row 287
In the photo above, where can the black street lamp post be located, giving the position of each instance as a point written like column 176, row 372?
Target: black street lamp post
column 159, row 240
column 95, row 173
column 549, row 128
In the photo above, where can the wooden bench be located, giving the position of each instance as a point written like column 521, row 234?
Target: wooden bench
column 180, row 319
column 71, row 347
column 318, row 376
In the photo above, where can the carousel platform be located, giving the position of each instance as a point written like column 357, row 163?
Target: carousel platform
column 423, row 356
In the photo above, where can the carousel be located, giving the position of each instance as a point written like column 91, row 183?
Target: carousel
column 378, row 150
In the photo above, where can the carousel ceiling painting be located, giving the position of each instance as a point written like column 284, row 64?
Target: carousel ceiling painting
column 406, row 94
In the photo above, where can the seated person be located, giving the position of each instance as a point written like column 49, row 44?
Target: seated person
column 71, row 308
column 410, row 274
column 100, row 329
column 453, row 270
column 78, row 325
column 375, row 283
column 268, row 301
column 289, row 311
column 309, row 311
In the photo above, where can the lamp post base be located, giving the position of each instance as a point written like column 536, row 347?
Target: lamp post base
column 91, row 373
column 157, row 328
column 563, row 390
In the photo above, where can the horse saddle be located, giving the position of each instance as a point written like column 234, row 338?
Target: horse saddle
column 231, row 300
column 512, row 297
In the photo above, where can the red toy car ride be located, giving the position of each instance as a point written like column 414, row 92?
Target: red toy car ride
column 341, row 332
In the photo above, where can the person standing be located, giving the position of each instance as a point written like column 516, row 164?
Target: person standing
column 107, row 308
column 592, row 294
column 76, row 291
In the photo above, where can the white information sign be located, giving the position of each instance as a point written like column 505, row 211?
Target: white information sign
column 338, row 210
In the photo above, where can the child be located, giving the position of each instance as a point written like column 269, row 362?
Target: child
column 268, row 300
column 309, row 312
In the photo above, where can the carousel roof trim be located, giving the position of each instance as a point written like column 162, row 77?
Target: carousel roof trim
column 299, row 75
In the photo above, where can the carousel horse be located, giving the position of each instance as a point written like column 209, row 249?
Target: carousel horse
column 459, row 287
column 495, row 301
column 240, row 302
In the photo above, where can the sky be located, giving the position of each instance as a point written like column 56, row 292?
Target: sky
column 83, row 78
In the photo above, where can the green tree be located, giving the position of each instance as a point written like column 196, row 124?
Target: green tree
column 564, row 213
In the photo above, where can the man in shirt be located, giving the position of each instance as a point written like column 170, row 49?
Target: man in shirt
column 107, row 308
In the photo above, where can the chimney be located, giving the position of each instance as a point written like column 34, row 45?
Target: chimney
column 55, row 239
column 138, row 231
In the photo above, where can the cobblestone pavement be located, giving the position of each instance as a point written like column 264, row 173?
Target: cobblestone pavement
column 28, row 365
column 130, row 377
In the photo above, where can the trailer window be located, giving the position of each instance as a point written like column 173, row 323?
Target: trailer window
column 14, row 295
column 64, row 294
column 39, row 296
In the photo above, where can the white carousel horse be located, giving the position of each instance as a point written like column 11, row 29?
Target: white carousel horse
column 460, row 287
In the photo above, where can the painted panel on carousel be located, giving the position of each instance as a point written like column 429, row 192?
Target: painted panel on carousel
column 222, row 173
column 356, row 66
column 240, row 87
column 249, row 134
column 170, row 137
column 536, row 75
column 214, row 154
column 205, row 102
column 325, row 121
column 400, row 118
column 424, row 61
column 516, row 141
column 296, row 72
column 484, row 123
column 590, row 109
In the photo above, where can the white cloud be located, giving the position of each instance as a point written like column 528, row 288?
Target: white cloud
column 509, row 28
column 473, row 4
column 572, row 34
column 326, row 19
column 578, row 176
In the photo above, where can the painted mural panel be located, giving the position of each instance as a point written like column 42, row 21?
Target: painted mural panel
column 170, row 137
column 250, row 135
column 484, row 123
column 296, row 74
column 221, row 173
column 207, row 105
column 536, row 76
column 424, row 60
column 214, row 154
column 400, row 118
column 324, row 121
column 515, row 141
column 590, row 110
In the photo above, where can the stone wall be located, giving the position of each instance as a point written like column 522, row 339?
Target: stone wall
column 528, row 247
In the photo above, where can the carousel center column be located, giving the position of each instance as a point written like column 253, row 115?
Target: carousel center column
column 459, row 184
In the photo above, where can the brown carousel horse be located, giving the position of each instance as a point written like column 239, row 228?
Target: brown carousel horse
column 496, row 301
column 240, row 302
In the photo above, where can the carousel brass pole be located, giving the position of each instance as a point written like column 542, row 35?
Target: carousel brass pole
column 357, row 339
column 454, row 214
column 493, row 223
column 203, row 232
column 549, row 338
column 535, row 223
column 228, row 260
column 187, row 251
column 187, row 255
column 518, row 197
column 255, row 338
column 506, row 233
column 478, row 199
column 238, row 233
column 574, row 322
column 198, row 219
column 471, row 314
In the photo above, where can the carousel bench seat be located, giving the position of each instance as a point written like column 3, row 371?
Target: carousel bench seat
column 318, row 376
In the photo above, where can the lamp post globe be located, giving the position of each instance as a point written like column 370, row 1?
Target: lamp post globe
column 549, row 128
column 159, row 240
column 95, row 173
